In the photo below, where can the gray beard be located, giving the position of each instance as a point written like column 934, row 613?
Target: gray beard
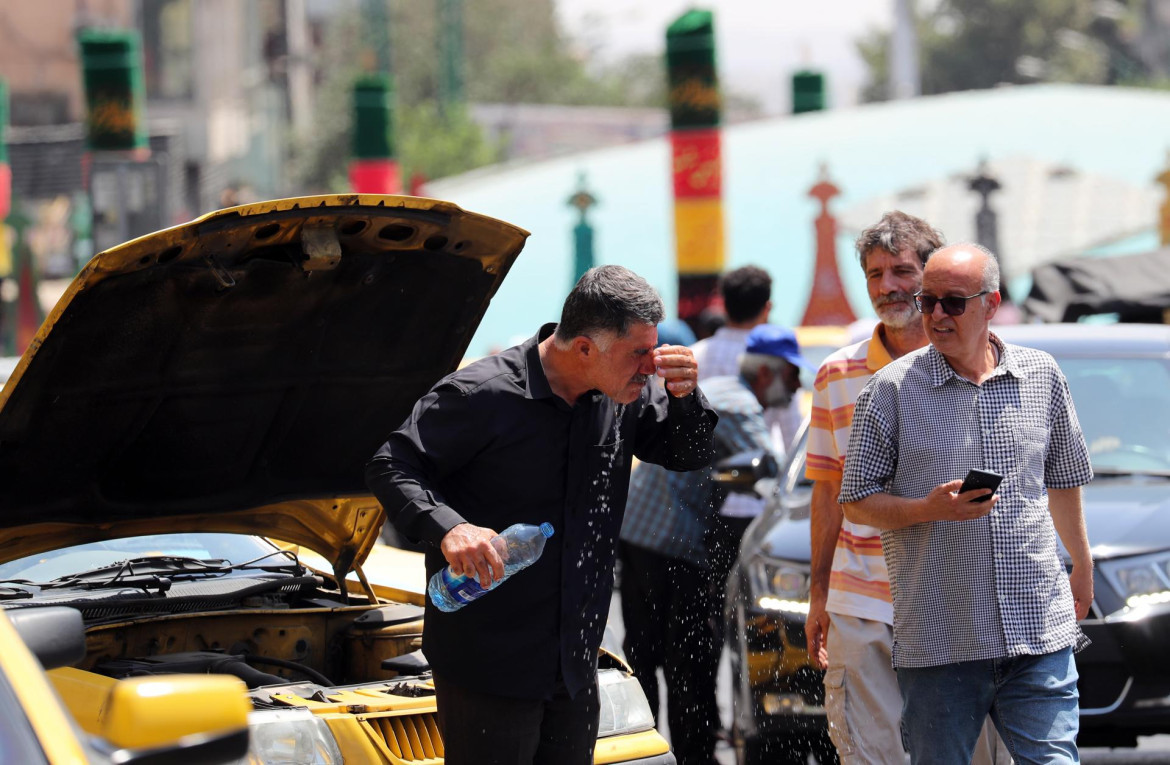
column 777, row 395
column 894, row 316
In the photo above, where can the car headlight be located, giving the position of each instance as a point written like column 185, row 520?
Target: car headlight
column 1143, row 580
column 290, row 735
column 778, row 586
column 624, row 708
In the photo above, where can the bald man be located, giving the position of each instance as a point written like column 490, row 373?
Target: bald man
column 985, row 617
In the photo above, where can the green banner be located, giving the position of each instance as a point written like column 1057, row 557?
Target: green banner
column 373, row 117
column 115, row 93
column 690, row 70
column 808, row 92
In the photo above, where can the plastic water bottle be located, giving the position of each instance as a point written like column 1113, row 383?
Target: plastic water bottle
column 519, row 546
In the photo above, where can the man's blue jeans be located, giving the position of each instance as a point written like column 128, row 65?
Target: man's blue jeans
column 1032, row 701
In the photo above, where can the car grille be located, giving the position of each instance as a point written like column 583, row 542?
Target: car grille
column 412, row 738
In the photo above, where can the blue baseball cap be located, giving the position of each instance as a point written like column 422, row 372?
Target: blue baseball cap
column 774, row 340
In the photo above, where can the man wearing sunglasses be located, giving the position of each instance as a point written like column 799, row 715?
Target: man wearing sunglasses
column 850, row 620
column 985, row 619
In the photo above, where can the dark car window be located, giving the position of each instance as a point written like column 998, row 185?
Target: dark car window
column 235, row 548
column 1123, row 406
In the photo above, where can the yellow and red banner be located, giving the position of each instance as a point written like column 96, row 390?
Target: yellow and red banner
column 697, row 163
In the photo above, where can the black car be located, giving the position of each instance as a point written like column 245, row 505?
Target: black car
column 1119, row 376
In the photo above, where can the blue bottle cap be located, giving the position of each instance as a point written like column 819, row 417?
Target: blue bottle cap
column 546, row 529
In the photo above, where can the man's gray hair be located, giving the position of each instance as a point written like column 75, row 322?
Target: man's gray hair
column 750, row 364
column 603, row 305
column 990, row 280
column 897, row 231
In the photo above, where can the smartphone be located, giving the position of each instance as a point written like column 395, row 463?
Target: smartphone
column 981, row 479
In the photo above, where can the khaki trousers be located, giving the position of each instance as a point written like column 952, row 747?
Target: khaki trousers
column 864, row 705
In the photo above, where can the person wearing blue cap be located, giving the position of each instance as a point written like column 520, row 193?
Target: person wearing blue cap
column 768, row 381
column 676, row 549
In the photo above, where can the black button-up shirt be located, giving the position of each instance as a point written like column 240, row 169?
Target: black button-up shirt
column 492, row 445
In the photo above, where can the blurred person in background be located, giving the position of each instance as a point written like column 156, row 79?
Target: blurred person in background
column 676, row 550
column 747, row 301
column 850, row 621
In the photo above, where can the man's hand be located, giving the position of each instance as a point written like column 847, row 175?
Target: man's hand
column 816, row 630
column 1080, row 580
column 469, row 551
column 676, row 365
column 945, row 503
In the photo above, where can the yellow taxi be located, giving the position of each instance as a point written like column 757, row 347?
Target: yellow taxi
column 202, row 389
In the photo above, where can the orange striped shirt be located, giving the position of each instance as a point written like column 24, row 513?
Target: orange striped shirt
column 859, row 584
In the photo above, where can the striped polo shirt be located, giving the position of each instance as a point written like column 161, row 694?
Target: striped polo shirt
column 859, row 584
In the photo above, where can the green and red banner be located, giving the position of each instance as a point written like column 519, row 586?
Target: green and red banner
column 374, row 167
column 696, row 155
column 115, row 93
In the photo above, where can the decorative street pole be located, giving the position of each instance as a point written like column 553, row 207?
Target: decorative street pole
column 827, row 303
column 695, row 149
column 986, row 221
column 583, row 231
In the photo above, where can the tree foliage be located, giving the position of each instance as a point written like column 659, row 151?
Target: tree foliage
column 513, row 52
column 968, row 44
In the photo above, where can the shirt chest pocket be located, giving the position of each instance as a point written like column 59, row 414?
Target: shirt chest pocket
column 1031, row 447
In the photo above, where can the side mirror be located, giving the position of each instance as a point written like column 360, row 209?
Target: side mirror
column 55, row 634
column 740, row 472
column 160, row 719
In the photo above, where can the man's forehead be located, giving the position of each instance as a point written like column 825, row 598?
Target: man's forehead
column 641, row 335
column 957, row 269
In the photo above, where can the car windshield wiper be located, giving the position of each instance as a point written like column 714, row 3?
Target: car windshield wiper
column 17, row 589
column 145, row 572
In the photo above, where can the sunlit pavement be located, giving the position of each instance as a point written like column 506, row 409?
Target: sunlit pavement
column 1150, row 749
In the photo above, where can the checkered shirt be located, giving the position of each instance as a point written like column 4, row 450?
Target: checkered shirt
column 668, row 511
column 984, row 588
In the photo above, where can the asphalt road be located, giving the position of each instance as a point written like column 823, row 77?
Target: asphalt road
column 1151, row 749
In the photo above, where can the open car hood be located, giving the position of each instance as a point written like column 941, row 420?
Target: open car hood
column 235, row 373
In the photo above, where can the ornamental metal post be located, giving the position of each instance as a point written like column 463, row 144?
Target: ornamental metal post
column 986, row 220
column 583, row 231
column 827, row 303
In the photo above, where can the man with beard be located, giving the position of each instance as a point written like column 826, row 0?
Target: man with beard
column 850, row 620
column 544, row 431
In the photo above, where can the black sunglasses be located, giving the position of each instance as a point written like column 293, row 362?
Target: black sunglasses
column 952, row 306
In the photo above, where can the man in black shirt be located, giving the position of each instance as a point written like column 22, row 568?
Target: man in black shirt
column 544, row 431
